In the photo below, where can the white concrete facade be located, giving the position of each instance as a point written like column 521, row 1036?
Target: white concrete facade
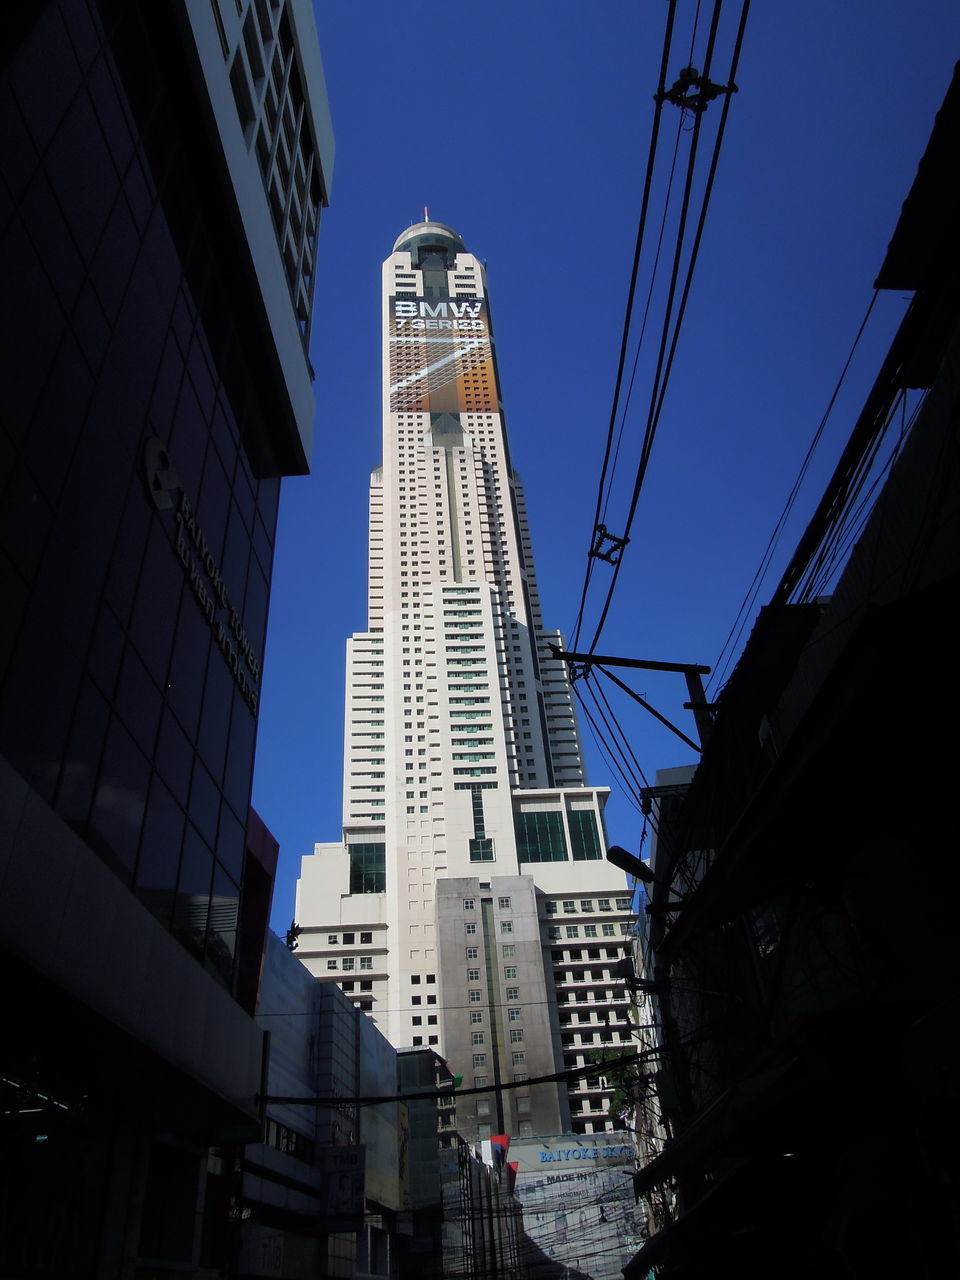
column 462, row 757
column 263, row 84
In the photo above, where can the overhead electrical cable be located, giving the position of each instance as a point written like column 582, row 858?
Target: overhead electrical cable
column 626, row 784
column 451, row 1093
column 647, row 442
column 646, row 315
column 731, row 644
column 664, row 358
column 612, row 741
column 653, row 272
column 623, row 738
column 860, row 501
column 872, row 421
column 644, row 207
column 629, row 783
column 616, row 740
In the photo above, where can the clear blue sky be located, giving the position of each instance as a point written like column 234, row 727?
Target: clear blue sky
column 525, row 125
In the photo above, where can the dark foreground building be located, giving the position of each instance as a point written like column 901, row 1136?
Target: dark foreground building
column 803, row 920
column 162, row 171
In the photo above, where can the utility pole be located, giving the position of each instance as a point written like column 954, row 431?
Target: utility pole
column 702, row 710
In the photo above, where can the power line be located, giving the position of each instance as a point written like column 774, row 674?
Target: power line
column 631, row 291
column 613, row 743
column 733, row 637
column 450, row 1091
column 628, row 782
column 871, row 423
column 626, row 785
column 646, row 310
column 622, row 736
column 665, row 357
column 858, row 505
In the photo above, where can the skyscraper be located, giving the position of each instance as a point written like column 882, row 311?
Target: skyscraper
column 468, row 906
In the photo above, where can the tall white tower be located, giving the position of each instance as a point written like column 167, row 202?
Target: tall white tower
column 468, row 906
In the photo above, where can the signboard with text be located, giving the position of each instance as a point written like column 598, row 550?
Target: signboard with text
column 441, row 356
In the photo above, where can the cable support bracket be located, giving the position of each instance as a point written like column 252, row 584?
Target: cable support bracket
column 693, row 92
column 607, row 546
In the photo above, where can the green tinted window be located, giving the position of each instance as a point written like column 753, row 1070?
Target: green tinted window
column 540, row 837
column 368, row 873
column 584, row 835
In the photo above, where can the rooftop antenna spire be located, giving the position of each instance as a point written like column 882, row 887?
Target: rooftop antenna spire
column 426, row 214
